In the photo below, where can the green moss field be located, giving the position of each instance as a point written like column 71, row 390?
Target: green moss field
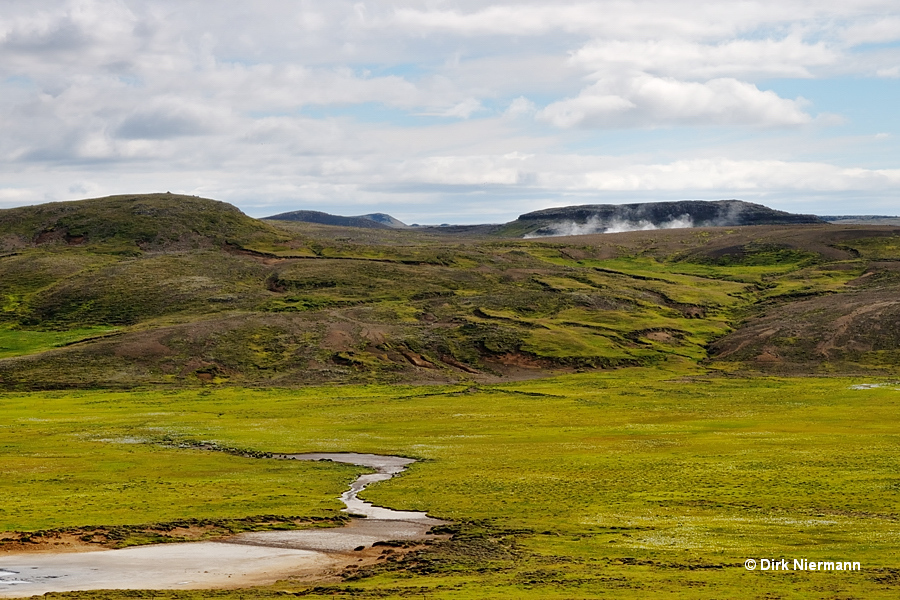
column 631, row 483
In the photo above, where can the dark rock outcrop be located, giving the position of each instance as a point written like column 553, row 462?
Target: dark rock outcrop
column 601, row 218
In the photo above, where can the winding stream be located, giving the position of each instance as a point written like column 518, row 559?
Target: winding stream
column 385, row 467
column 253, row 558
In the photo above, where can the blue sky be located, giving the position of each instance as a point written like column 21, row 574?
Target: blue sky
column 453, row 111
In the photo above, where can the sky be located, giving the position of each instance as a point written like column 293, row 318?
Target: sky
column 453, row 111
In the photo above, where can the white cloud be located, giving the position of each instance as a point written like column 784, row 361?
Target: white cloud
column 320, row 102
column 740, row 176
column 590, row 107
column 10, row 197
column 459, row 171
column 520, row 107
column 635, row 19
column 172, row 117
column 877, row 30
column 462, row 110
column 58, row 36
column 788, row 57
column 648, row 101
column 503, row 19
column 646, row 19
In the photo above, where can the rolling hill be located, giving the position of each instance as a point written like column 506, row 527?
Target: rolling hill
column 175, row 290
column 130, row 223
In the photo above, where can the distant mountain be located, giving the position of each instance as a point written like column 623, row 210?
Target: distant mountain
column 385, row 219
column 614, row 218
column 370, row 221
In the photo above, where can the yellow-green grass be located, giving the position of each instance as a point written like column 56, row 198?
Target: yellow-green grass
column 678, row 288
column 725, row 279
column 633, row 483
column 877, row 248
column 14, row 342
column 559, row 342
column 613, row 335
column 63, row 460
column 645, row 318
column 812, row 280
column 736, row 273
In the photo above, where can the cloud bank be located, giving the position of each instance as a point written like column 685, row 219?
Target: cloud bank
column 435, row 110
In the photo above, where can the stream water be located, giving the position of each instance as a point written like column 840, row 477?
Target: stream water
column 254, row 558
column 385, row 467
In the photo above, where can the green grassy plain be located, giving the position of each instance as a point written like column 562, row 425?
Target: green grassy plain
column 631, row 483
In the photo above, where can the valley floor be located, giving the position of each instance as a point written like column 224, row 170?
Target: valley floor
column 630, row 483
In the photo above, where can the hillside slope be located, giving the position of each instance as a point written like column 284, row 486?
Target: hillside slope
column 131, row 223
column 857, row 329
column 228, row 299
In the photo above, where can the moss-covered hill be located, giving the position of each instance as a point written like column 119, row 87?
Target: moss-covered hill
column 175, row 290
column 131, row 222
